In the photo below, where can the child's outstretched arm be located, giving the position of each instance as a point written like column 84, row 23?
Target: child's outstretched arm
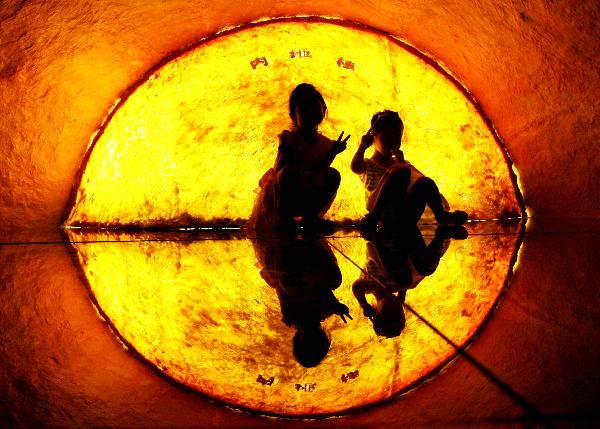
column 337, row 147
column 358, row 164
column 360, row 288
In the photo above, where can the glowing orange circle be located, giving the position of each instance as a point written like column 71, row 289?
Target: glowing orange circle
column 187, row 145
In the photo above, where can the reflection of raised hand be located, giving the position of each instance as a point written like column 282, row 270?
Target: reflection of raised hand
column 369, row 311
column 342, row 310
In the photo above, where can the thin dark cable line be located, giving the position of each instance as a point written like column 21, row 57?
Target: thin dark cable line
column 522, row 402
column 426, row 234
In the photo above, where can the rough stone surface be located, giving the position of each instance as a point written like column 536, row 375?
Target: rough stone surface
column 533, row 66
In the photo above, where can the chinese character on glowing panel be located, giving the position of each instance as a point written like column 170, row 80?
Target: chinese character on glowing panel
column 345, row 64
column 308, row 387
column 265, row 381
column 255, row 62
column 302, row 53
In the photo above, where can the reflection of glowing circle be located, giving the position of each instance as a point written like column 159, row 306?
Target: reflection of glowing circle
column 202, row 314
column 190, row 142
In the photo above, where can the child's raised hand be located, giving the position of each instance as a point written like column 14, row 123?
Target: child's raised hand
column 366, row 141
column 340, row 145
column 398, row 154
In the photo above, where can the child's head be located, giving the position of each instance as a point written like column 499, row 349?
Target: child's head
column 389, row 319
column 307, row 107
column 311, row 345
column 386, row 129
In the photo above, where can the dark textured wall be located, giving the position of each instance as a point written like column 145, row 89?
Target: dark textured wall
column 533, row 66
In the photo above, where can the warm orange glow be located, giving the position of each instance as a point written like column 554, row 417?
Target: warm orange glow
column 201, row 313
column 191, row 142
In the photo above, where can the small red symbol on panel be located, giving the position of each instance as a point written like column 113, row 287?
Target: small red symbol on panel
column 255, row 62
column 345, row 64
column 302, row 53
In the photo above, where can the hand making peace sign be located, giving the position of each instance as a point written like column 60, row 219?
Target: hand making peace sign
column 340, row 145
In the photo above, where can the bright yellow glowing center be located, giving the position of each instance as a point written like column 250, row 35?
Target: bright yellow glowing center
column 190, row 143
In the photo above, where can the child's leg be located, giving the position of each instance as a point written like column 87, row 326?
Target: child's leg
column 288, row 194
column 426, row 258
column 391, row 253
column 426, row 192
column 320, row 198
column 390, row 197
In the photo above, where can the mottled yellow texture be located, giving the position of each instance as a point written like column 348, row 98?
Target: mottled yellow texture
column 191, row 143
column 202, row 314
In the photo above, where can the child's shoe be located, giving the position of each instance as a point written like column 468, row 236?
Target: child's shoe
column 285, row 226
column 457, row 217
column 368, row 225
column 457, row 232
column 318, row 225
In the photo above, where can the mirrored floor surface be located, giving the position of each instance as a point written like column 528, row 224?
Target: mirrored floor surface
column 297, row 323
column 288, row 325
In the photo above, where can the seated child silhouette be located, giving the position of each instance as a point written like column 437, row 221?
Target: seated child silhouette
column 302, row 184
column 394, row 265
column 304, row 272
column 396, row 192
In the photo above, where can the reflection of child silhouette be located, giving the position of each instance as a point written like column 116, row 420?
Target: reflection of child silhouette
column 396, row 191
column 394, row 265
column 302, row 184
column 304, row 273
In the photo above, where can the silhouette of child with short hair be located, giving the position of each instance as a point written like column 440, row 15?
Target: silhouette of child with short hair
column 396, row 192
column 302, row 183
column 394, row 265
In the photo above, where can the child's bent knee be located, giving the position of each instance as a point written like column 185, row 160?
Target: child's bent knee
column 401, row 174
column 287, row 174
column 333, row 176
column 398, row 180
column 425, row 183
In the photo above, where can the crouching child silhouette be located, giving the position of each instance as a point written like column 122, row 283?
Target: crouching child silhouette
column 395, row 264
column 302, row 184
column 396, row 192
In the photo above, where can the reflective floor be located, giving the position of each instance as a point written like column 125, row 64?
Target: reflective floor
column 495, row 325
